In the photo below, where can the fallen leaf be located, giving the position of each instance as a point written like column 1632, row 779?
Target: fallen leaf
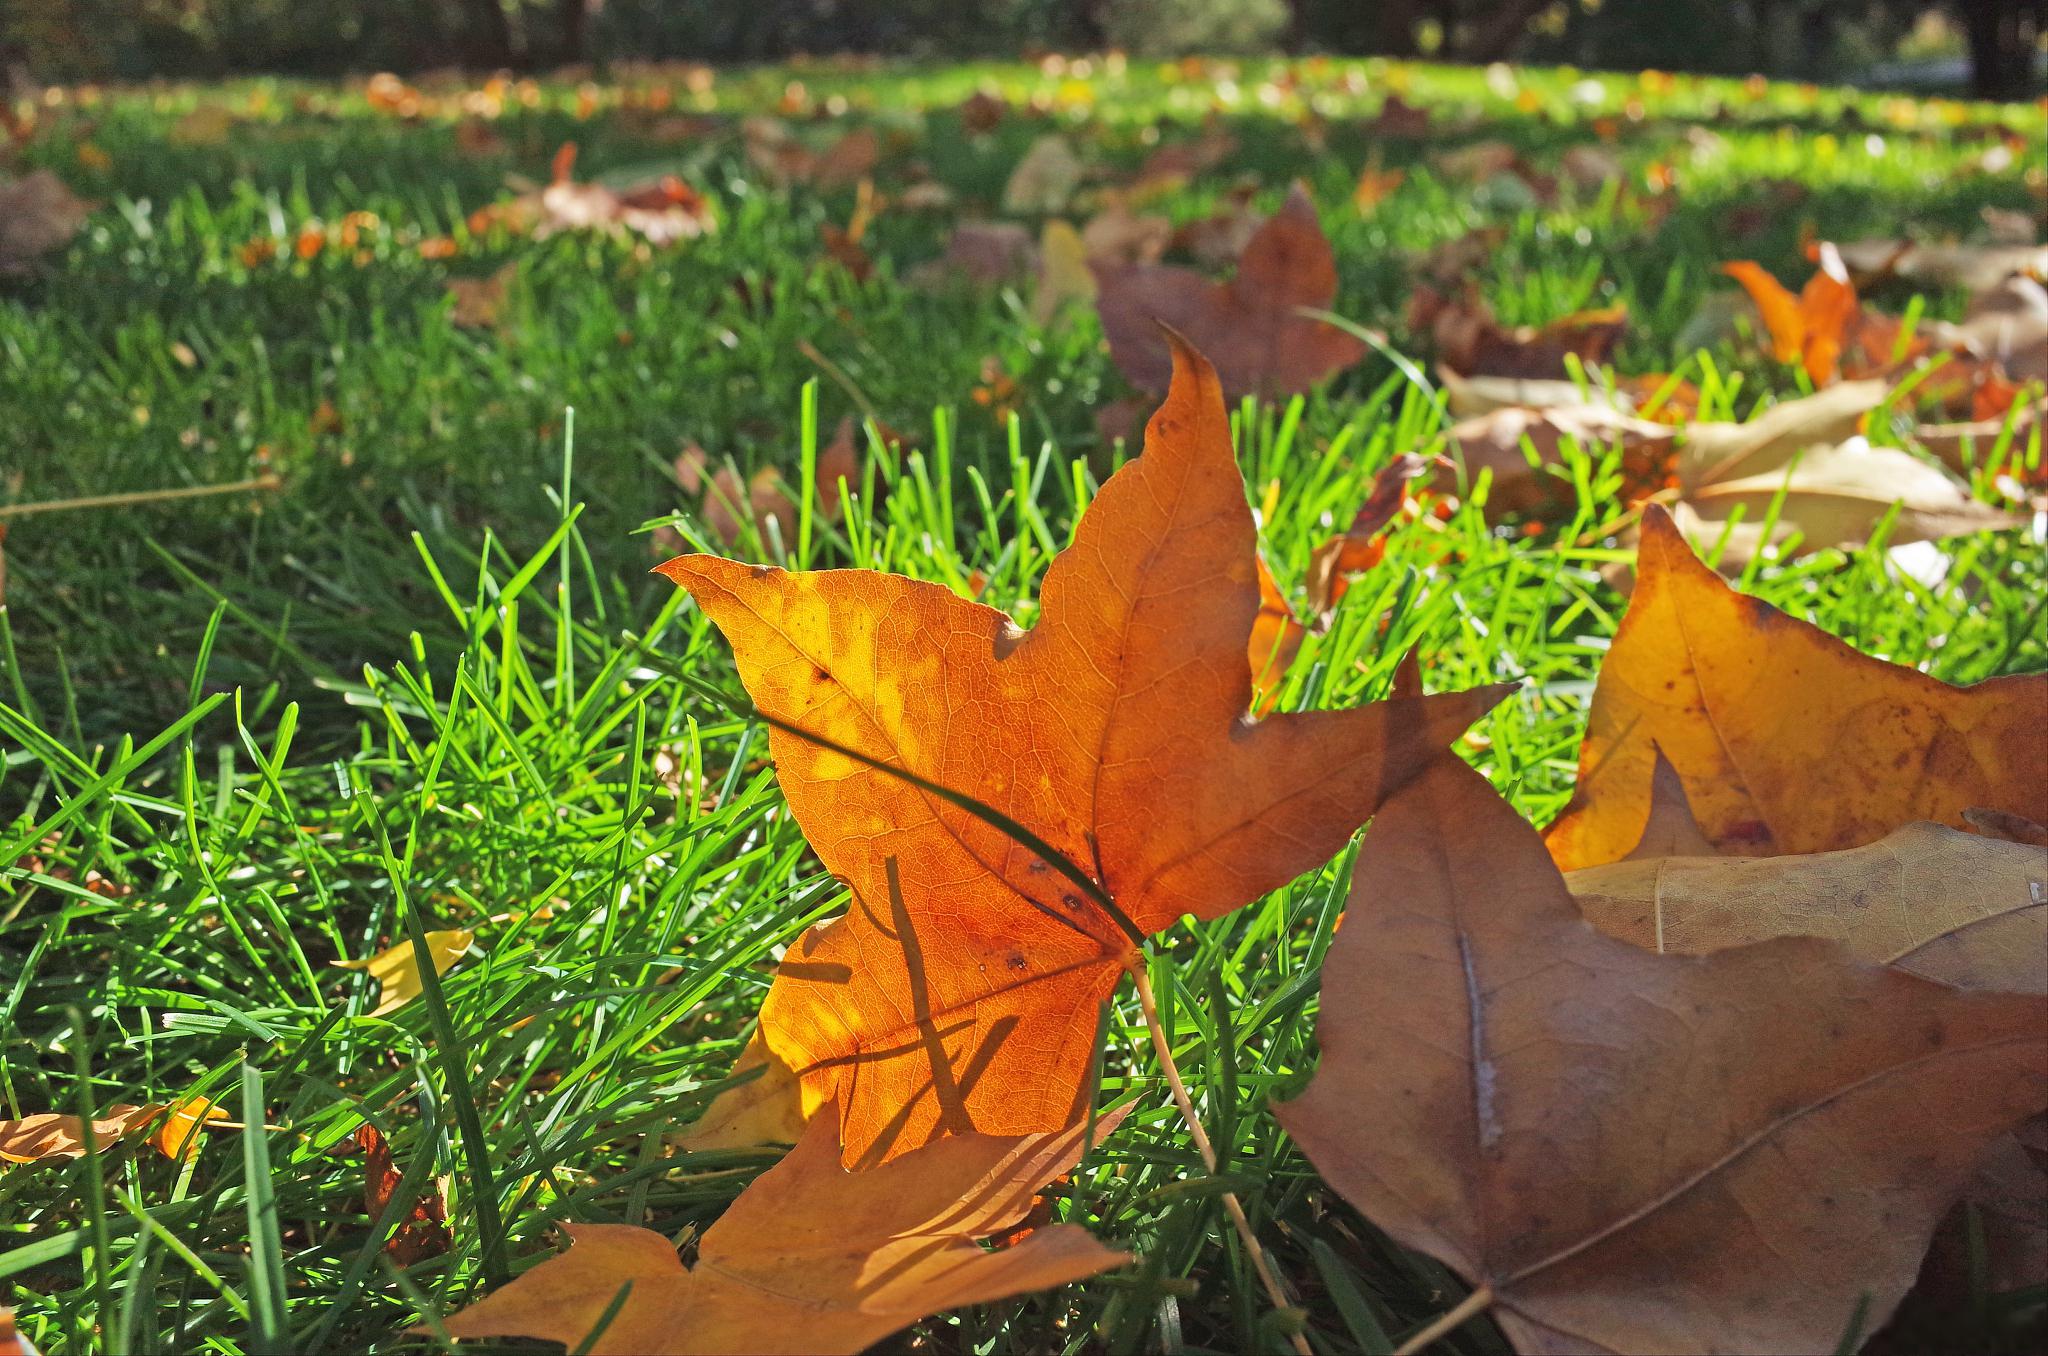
column 1969, row 911
column 1671, row 830
column 1044, row 181
column 765, row 1109
column 1449, row 263
column 662, row 212
column 1811, row 328
column 1833, row 496
column 2007, row 325
column 1063, row 273
column 1116, row 235
column 982, row 111
column 1276, row 640
column 479, row 303
column 1251, row 325
column 779, row 154
column 980, row 254
column 1975, row 268
column 1359, row 548
column 1785, row 738
column 1633, row 1152
column 1398, row 118
column 55, row 1135
column 961, row 990
column 1180, row 162
column 1375, row 185
column 810, row 1258
column 1220, row 239
column 38, row 215
column 177, row 1134
column 423, row 1233
column 1516, row 445
column 396, row 968
column 1470, row 342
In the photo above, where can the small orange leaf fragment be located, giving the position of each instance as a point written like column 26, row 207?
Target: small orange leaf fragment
column 811, row 1258
column 177, row 1135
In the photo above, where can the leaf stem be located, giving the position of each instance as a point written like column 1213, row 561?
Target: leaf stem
column 268, row 481
column 1231, row 1205
column 1472, row 1305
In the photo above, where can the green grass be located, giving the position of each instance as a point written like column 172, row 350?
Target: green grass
column 428, row 683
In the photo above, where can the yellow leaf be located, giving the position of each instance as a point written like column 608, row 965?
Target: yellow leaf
column 397, row 970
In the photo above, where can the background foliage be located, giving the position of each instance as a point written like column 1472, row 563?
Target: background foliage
column 1806, row 39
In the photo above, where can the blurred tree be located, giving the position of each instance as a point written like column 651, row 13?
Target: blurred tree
column 2004, row 37
column 1178, row 27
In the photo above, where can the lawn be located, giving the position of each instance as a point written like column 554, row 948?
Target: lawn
column 407, row 670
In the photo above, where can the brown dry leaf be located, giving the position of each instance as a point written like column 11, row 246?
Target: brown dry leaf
column 1399, row 118
column 1591, row 166
column 980, row 254
column 397, row 972
column 1516, row 444
column 784, row 159
column 1448, row 264
column 1063, row 272
column 849, row 160
column 1831, row 488
column 1117, row 235
column 1671, row 830
column 982, row 111
column 1471, row 342
column 421, row 1234
column 1835, row 497
column 1044, row 181
column 1974, row 268
column 662, row 212
column 2007, row 326
column 1221, row 238
column 38, row 215
column 12, row 1343
column 1785, row 738
column 1635, row 1152
column 54, row 1135
column 1180, row 162
column 1250, row 326
column 480, row 302
column 1969, row 443
column 961, row 990
column 1359, row 548
column 1967, row 910
column 811, row 1258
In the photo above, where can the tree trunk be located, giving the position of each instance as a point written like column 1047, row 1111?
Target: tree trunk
column 2002, row 34
column 571, row 18
column 488, row 43
column 1496, row 36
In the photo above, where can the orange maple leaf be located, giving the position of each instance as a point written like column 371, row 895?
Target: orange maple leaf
column 810, row 1258
column 961, row 990
column 1784, row 738
column 1811, row 328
